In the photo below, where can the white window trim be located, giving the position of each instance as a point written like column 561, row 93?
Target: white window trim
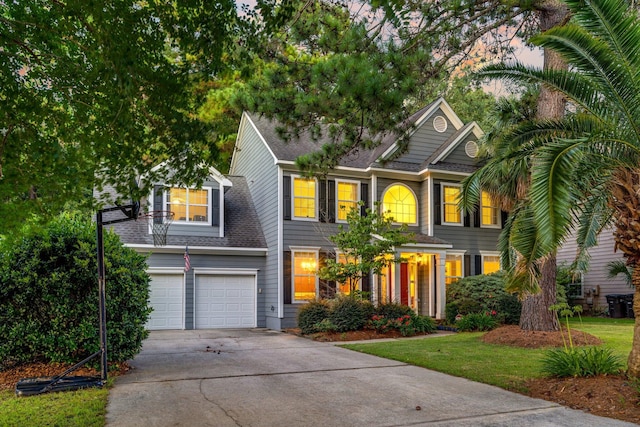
column 191, row 223
column 459, row 223
column 456, row 254
column 499, row 217
column 581, row 282
column 293, row 200
column 384, row 193
column 294, row 250
column 484, row 254
column 346, row 181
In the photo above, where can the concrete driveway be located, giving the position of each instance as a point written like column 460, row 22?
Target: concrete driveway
column 266, row 378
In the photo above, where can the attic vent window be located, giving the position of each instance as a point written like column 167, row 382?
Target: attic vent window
column 471, row 148
column 440, row 124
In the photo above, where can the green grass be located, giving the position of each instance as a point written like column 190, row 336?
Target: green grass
column 465, row 355
column 86, row 408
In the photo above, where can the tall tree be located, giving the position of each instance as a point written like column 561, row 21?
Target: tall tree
column 95, row 93
column 585, row 171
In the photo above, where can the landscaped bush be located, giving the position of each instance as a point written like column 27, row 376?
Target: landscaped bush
column 311, row 314
column 580, row 362
column 392, row 310
column 49, row 295
column 482, row 294
column 477, row 322
column 349, row 314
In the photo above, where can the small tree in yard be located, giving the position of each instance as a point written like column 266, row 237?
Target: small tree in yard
column 367, row 245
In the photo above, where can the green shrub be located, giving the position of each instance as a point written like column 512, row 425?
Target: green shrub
column 477, row 322
column 482, row 294
column 49, row 294
column 349, row 314
column 392, row 310
column 408, row 324
column 311, row 314
column 580, row 362
column 325, row 326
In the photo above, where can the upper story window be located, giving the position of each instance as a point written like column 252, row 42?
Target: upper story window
column 400, row 203
column 451, row 214
column 347, row 198
column 304, row 198
column 189, row 204
column 490, row 211
column 453, row 269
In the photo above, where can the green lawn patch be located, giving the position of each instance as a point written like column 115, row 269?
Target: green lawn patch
column 465, row 355
column 82, row 408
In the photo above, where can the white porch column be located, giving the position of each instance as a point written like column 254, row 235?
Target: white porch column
column 441, row 287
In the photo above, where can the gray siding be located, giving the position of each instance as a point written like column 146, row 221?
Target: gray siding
column 253, row 161
column 459, row 156
column 426, row 140
column 596, row 275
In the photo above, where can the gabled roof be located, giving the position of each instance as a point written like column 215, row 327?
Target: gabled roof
column 214, row 173
column 451, row 143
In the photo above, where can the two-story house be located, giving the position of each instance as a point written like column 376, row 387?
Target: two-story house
column 419, row 187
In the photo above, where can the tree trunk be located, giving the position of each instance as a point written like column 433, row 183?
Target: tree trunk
column 535, row 314
column 633, row 362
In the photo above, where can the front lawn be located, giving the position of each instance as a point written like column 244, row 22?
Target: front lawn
column 465, row 355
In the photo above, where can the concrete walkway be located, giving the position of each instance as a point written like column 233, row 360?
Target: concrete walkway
column 266, row 378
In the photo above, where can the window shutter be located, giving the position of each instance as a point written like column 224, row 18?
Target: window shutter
column 437, row 205
column 366, row 284
column 332, row 201
column 327, row 287
column 478, row 261
column 364, row 196
column 322, row 202
column 466, row 219
column 467, row 265
column 215, row 207
column 286, row 282
column 476, row 216
column 286, row 197
column 158, row 192
column 504, row 217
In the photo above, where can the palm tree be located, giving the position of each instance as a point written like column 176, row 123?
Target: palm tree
column 584, row 167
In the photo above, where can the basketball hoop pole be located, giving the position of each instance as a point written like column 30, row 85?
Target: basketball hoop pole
column 131, row 212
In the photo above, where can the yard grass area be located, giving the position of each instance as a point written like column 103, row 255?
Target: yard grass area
column 81, row 408
column 465, row 355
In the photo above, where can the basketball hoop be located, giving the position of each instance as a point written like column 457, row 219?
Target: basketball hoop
column 159, row 221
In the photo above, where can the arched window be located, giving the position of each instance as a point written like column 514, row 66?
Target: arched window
column 399, row 203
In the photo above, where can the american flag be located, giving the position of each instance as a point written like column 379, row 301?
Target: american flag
column 187, row 260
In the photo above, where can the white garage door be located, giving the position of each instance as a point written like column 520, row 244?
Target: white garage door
column 225, row 301
column 166, row 298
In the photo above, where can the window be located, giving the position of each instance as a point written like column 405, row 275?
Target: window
column 400, row 204
column 189, row 204
column 347, row 198
column 450, row 211
column 345, row 288
column 305, row 268
column 490, row 264
column 304, row 198
column 452, row 269
column 490, row 211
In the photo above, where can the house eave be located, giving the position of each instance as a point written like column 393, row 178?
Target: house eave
column 197, row 250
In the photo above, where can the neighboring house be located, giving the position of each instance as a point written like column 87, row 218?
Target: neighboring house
column 419, row 187
column 227, row 251
column 594, row 285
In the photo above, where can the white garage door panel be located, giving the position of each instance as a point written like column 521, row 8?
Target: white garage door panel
column 166, row 298
column 225, row 301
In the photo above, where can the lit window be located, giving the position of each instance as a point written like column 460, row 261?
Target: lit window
column 490, row 264
column 490, row 211
column 451, row 212
column 188, row 204
column 400, row 204
column 452, row 268
column 345, row 288
column 347, row 198
column 304, row 197
column 305, row 267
